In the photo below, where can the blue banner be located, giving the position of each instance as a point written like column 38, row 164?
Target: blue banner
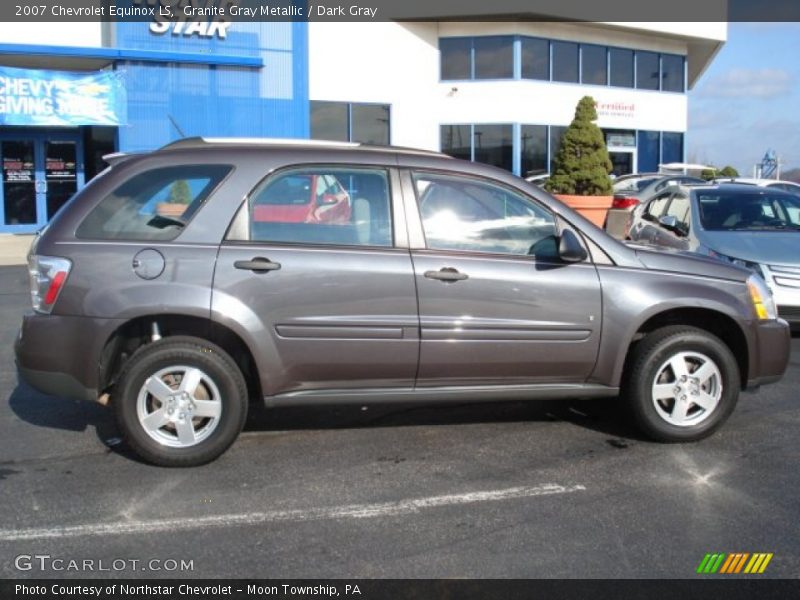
column 63, row 98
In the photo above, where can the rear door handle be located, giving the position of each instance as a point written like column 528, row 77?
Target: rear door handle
column 446, row 274
column 258, row 264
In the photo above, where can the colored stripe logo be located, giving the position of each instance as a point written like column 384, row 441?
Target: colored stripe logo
column 735, row 563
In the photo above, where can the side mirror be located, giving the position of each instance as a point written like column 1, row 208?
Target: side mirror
column 570, row 248
column 669, row 221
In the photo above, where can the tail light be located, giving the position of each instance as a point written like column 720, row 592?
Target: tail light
column 47, row 275
column 625, row 202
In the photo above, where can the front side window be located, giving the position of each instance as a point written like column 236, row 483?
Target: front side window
column 155, row 205
column 337, row 206
column 679, row 208
column 656, row 207
column 460, row 213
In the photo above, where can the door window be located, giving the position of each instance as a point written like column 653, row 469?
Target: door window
column 679, row 208
column 476, row 216
column 656, row 207
column 19, row 182
column 338, row 206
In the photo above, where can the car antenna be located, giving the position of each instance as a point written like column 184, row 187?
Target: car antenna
column 176, row 126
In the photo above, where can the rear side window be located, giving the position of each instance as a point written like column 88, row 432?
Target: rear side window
column 323, row 206
column 154, row 205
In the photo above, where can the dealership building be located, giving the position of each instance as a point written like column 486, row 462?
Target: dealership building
column 495, row 92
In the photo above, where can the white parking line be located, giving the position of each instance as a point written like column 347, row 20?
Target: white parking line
column 351, row 511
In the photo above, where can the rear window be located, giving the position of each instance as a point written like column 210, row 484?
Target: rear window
column 154, row 205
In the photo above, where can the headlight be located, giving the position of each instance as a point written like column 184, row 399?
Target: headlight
column 739, row 262
column 761, row 297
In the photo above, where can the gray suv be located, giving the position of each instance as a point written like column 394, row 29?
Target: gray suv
column 183, row 284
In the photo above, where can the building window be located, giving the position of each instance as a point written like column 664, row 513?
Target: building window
column 621, row 67
column 535, row 56
column 456, row 140
column 533, row 150
column 594, row 64
column 456, row 57
column 494, row 57
column 350, row 122
column 672, row 78
column 671, row 147
column 648, row 151
column 329, row 121
column 647, row 70
column 565, row 62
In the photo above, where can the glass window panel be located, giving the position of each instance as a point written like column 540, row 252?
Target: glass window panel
column 493, row 145
column 621, row 67
column 371, row 124
column 494, row 57
column 648, row 149
column 535, row 58
column 672, row 73
column 594, row 65
column 329, row 121
column 565, row 62
column 647, row 70
column 456, row 57
column 349, row 207
column 460, row 213
column 457, row 141
column 672, row 147
column 61, row 174
column 19, row 187
column 533, row 141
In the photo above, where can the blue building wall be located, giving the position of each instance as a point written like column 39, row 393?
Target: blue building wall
column 167, row 100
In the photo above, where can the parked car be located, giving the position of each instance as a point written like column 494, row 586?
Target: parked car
column 786, row 186
column 450, row 280
column 631, row 190
column 304, row 198
column 755, row 227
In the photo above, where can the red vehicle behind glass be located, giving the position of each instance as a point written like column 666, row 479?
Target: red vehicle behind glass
column 304, row 199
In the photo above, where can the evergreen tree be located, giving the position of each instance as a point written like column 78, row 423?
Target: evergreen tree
column 709, row 174
column 582, row 165
column 729, row 171
column 180, row 193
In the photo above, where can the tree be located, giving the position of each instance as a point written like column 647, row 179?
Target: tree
column 581, row 165
column 180, row 193
column 729, row 171
column 708, row 174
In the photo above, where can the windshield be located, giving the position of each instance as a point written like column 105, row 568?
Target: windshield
column 720, row 211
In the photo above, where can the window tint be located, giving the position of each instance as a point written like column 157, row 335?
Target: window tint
column 535, row 58
column 594, row 65
column 456, row 57
column 154, row 205
column 671, row 73
column 476, row 216
column 621, row 67
column 493, row 145
column 323, row 206
column 329, row 121
column 647, row 70
column 494, row 57
column 565, row 62
column 371, row 124
column 533, row 140
column 457, row 141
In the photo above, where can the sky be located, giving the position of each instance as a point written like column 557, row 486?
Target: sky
column 748, row 100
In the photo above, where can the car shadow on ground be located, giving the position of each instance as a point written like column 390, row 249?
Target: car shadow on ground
column 606, row 416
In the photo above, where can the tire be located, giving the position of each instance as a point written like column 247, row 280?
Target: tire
column 172, row 427
column 682, row 384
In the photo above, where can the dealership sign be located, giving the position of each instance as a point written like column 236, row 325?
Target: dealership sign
column 201, row 18
column 60, row 98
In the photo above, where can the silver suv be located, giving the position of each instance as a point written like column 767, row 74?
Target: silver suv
column 183, row 284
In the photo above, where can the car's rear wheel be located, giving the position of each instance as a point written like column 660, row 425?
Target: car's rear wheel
column 180, row 401
column 682, row 384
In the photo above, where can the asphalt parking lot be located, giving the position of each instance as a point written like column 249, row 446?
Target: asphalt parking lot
column 484, row 490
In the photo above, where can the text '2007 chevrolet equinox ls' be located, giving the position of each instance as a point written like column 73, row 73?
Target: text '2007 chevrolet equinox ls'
column 182, row 284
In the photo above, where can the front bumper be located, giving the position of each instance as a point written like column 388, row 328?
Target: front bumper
column 61, row 355
column 773, row 348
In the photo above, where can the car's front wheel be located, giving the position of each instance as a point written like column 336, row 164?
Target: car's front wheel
column 180, row 401
column 682, row 383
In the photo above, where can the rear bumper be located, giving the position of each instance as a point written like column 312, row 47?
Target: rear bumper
column 773, row 348
column 61, row 355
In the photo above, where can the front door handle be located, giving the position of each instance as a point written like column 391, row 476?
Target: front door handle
column 258, row 264
column 446, row 274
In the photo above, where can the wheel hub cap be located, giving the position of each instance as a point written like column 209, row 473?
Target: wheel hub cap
column 687, row 389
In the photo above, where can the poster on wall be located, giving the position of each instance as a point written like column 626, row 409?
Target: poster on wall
column 61, row 98
column 17, row 170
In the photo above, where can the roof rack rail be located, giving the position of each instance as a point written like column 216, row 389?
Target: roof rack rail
column 198, row 142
